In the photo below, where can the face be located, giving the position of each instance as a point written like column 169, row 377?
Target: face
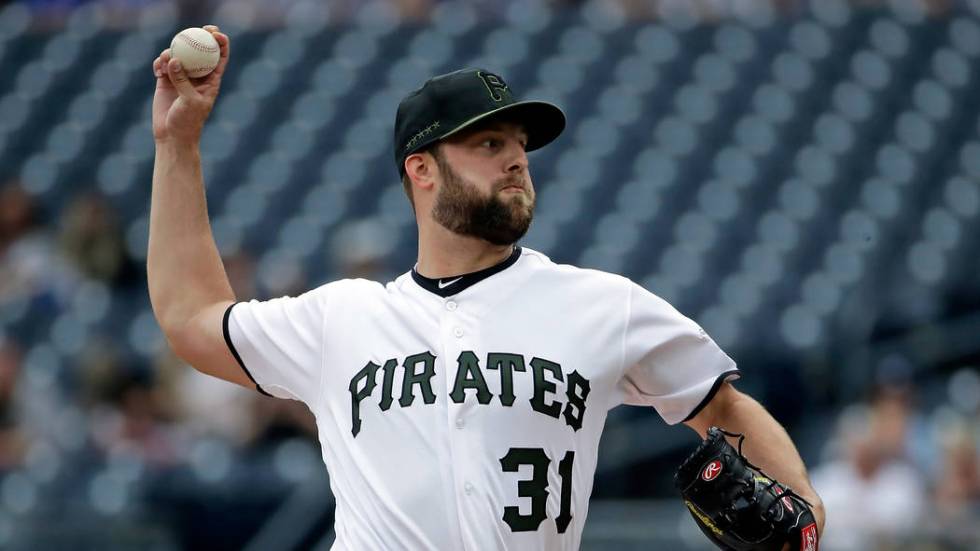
column 486, row 190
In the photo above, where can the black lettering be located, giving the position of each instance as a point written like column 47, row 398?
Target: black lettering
column 423, row 379
column 507, row 364
column 367, row 374
column 543, row 386
column 577, row 391
column 468, row 375
column 389, row 379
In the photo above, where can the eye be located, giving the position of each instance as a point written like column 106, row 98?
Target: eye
column 491, row 143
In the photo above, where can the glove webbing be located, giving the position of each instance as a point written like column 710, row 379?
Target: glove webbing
column 786, row 491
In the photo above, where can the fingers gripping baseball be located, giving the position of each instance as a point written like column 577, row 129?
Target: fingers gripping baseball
column 182, row 104
column 225, row 45
column 180, row 80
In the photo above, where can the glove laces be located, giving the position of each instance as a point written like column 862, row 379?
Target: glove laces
column 786, row 491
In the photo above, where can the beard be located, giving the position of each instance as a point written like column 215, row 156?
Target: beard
column 462, row 209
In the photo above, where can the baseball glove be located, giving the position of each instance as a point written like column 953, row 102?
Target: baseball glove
column 738, row 506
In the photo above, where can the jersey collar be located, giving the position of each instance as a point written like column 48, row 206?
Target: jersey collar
column 448, row 286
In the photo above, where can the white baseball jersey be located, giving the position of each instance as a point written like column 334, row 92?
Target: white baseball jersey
column 465, row 413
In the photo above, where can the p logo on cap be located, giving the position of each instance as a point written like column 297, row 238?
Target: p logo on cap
column 495, row 85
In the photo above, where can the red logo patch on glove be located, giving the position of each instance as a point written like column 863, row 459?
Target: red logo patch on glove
column 712, row 471
column 808, row 538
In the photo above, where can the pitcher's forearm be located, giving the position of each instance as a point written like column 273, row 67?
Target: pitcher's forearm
column 184, row 268
column 769, row 446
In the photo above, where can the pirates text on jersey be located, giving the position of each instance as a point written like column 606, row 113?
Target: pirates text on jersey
column 418, row 370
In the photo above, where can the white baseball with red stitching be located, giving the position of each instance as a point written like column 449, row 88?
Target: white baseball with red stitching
column 197, row 51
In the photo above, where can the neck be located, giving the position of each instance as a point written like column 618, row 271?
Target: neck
column 443, row 253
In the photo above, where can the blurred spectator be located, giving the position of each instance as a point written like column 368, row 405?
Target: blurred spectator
column 129, row 413
column 98, row 368
column 958, row 488
column 135, row 421
column 92, row 240
column 12, row 441
column 281, row 420
column 414, row 10
column 16, row 214
column 890, row 412
column 901, row 426
column 29, row 265
column 206, row 406
column 872, row 497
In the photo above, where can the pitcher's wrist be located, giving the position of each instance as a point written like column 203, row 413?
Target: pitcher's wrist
column 178, row 146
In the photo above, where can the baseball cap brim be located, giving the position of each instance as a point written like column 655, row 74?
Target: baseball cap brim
column 542, row 121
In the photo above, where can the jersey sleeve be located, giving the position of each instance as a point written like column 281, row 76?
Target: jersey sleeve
column 279, row 342
column 670, row 362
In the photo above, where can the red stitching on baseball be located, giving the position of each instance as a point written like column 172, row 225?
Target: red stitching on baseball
column 197, row 45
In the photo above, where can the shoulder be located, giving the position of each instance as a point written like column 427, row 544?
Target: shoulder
column 535, row 261
column 366, row 291
column 330, row 292
column 590, row 283
column 351, row 288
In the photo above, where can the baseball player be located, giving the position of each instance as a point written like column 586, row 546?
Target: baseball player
column 459, row 406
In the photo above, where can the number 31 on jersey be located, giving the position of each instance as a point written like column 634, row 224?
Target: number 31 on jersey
column 536, row 488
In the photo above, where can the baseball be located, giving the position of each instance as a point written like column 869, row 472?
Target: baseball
column 197, row 51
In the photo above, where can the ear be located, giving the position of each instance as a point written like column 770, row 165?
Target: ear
column 421, row 169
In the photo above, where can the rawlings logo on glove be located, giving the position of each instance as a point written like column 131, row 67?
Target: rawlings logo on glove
column 737, row 505
column 711, row 471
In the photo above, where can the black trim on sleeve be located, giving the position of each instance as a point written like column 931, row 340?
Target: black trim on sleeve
column 711, row 394
column 234, row 352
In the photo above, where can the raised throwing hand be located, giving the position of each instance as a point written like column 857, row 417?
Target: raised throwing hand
column 182, row 104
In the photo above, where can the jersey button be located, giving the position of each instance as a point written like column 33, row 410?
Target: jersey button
column 459, row 423
column 458, row 332
column 468, row 488
column 451, row 306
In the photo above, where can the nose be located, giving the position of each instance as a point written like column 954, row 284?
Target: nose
column 518, row 159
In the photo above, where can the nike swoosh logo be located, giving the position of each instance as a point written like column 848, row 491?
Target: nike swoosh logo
column 444, row 284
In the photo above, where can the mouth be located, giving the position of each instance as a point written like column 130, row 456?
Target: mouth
column 513, row 184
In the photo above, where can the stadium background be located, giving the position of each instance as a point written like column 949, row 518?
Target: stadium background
column 802, row 178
